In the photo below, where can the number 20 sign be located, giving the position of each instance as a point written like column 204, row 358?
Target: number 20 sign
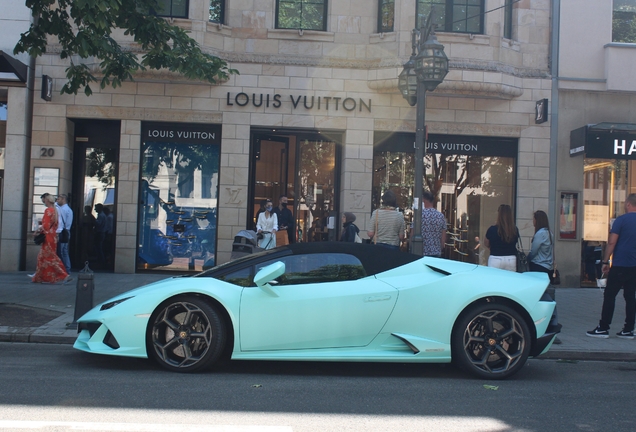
column 47, row 152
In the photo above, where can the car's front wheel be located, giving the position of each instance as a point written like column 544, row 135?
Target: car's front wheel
column 491, row 341
column 186, row 334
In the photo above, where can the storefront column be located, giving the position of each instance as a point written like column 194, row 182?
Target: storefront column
column 128, row 196
column 357, row 172
column 533, row 178
column 14, row 195
column 233, row 182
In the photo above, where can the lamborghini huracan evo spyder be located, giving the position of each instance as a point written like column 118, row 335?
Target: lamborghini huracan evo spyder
column 331, row 301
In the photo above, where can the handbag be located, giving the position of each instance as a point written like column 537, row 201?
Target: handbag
column 63, row 236
column 39, row 239
column 556, row 276
column 522, row 258
column 375, row 233
column 602, row 283
column 282, row 239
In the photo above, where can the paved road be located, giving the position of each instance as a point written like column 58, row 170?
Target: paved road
column 61, row 388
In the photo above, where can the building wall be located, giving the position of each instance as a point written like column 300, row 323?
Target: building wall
column 594, row 86
column 491, row 90
column 15, row 18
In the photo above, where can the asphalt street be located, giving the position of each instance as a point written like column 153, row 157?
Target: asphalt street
column 56, row 388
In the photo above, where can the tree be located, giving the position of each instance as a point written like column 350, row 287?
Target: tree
column 83, row 29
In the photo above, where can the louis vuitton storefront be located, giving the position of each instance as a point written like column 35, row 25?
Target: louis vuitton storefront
column 185, row 170
column 470, row 176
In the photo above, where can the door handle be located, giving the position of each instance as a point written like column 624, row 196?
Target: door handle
column 377, row 298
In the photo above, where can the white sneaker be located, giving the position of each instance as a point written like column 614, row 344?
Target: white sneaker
column 31, row 275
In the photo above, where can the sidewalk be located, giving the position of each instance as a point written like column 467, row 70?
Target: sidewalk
column 579, row 310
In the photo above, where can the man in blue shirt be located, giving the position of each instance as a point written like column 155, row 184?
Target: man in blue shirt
column 65, row 216
column 433, row 227
column 622, row 246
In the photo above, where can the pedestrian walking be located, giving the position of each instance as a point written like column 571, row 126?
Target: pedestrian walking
column 387, row 223
column 50, row 268
column 65, row 222
column 433, row 227
column 501, row 239
column 621, row 247
column 349, row 229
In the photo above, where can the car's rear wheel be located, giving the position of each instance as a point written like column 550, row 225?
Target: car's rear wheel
column 491, row 341
column 186, row 334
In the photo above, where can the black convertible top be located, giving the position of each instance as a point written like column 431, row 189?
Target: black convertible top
column 374, row 259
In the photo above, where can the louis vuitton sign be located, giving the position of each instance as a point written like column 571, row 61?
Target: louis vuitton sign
column 316, row 103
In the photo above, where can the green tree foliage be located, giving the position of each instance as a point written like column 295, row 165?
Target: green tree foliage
column 83, row 29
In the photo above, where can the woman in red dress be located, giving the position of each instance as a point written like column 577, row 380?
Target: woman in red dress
column 50, row 268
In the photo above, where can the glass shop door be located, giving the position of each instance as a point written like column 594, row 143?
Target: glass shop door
column 94, row 195
column 94, row 208
column 302, row 167
column 607, row 182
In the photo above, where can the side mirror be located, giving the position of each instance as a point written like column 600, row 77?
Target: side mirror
column 267, row 275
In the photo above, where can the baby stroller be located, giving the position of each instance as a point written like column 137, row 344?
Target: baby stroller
column 245, row 243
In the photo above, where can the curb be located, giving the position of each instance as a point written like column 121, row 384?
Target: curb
column 588, row 356
column 30, row 335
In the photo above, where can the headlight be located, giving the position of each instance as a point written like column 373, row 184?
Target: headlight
column 109, row 305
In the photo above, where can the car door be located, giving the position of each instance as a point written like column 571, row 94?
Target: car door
column 321, row 301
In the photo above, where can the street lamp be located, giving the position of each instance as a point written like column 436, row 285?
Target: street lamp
column 424, row 71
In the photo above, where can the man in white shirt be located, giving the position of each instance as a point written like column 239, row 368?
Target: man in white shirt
column 65, row 220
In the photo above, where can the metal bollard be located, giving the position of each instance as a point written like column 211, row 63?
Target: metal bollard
column 84, row 293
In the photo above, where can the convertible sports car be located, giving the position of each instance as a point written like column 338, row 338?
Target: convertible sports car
column 331, row 302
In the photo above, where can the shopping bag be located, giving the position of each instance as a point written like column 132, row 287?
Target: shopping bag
column 281, row 238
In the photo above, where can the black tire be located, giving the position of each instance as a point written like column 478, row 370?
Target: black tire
column 491, row 341
column 185, row 334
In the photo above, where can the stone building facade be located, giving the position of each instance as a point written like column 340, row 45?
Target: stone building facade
column 16, row 101
column 596, row 130
column 325, row 103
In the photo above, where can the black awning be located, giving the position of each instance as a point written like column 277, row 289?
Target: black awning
column 9, row 65
column 447, row 144
column 604, row 141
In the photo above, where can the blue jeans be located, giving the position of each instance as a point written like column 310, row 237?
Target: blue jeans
column 62, row 252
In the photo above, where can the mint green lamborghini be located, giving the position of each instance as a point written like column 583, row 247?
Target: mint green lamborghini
column 331, row 301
